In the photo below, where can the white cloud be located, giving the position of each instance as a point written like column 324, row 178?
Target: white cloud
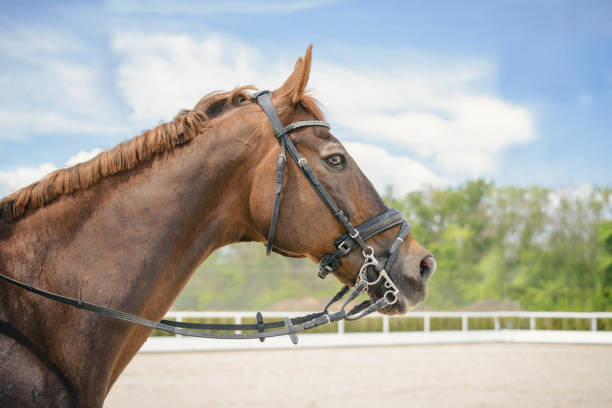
column 35, row 41
column 82, row 156
column 162, row 73
column 52, row 85
column 202, row 8
column 400, row 172
column 15, row 122
column 433, row 113
column 11, row 181
column 438, row 110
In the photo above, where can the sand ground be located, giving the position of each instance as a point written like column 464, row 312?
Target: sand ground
column 472, row 375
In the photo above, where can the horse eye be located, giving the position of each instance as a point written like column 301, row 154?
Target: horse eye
column 336, row 160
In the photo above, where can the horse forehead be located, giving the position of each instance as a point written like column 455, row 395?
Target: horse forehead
column 319, row 138
column 330, row 147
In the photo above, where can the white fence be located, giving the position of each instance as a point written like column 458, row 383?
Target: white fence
column 387, row 337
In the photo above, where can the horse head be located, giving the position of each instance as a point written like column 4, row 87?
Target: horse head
column 306, row 226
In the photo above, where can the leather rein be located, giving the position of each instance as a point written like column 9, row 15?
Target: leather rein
column 372, row 274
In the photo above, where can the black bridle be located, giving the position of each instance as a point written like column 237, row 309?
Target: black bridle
column 355, row 236
column 372, row 273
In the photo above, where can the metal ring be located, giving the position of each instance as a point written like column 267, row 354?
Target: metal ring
column 392, row 293
column 370, row 255
column 300, row 162
column 354, row 236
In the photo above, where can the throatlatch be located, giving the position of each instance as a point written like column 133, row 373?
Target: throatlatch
column 372, row 273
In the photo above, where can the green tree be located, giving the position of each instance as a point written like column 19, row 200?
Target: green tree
column 543, row 249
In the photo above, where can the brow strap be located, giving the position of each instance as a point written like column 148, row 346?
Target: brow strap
column 264, row 100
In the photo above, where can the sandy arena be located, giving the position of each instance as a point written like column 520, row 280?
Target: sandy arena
column 473, row 375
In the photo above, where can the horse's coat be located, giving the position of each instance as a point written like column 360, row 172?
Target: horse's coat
column 128, row 228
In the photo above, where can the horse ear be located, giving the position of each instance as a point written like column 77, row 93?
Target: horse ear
column 293, row 89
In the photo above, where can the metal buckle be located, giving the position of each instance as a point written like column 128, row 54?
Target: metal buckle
column 344, row 247
column 328, row 264
column 324, row 270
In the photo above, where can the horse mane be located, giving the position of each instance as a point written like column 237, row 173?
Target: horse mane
column 125, row 156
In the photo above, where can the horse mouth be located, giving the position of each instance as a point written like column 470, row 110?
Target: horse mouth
column 412, row 293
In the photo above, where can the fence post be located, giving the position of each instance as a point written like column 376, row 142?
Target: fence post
column 532, row 325
column 426, row 325
column 341, row 327
column 238, row 320
column 594, row 324
column 496, row 323
column 464, row 323
column 385, row 324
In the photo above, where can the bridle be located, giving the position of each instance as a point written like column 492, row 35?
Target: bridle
column 372, row 275
column 355, row 236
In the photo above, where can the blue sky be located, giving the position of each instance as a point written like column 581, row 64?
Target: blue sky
column 518, row 92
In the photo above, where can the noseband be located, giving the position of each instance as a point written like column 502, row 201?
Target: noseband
column 355, row 236
column 372, row 274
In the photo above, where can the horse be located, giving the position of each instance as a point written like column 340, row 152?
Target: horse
column 129, row 227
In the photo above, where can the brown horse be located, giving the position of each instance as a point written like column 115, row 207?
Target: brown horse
column 128, row 228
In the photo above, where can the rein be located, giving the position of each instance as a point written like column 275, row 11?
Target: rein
column 372, row 273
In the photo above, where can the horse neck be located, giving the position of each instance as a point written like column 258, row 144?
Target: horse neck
column 159, row 222
column 131, row 242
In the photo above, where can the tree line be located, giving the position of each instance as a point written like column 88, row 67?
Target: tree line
column 531, row 247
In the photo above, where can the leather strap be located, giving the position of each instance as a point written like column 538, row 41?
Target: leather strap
column 375, row 225
column 329, row 263
column 291, row 330
column 393, row 251
column 280, row 173
column 291, row 326
column 264, row 100
column 266, row 104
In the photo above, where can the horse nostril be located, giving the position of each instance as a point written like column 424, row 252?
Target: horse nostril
column 427, row 267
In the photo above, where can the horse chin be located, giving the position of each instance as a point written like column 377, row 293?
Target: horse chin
column 403, row 304
column 398, row 308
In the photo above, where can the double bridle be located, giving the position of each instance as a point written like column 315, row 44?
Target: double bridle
column 372, row 275
column 355, row 236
